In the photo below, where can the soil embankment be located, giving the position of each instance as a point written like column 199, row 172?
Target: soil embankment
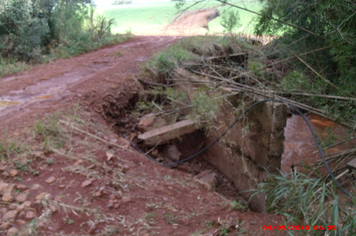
column 89, row 181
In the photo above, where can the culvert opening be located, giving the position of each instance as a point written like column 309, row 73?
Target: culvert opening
column 128, row 119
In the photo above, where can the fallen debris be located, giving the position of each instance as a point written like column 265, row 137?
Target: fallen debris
column 166, row 133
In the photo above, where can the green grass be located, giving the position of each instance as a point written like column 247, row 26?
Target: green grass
column 145, row 17
column 8, row 67
column 302, row 199
column 9, row 147
column 140, row 17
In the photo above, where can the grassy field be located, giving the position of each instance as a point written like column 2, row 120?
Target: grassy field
column 146, row 16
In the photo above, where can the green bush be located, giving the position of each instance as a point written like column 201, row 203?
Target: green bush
column 309, row 25
column 230, row 21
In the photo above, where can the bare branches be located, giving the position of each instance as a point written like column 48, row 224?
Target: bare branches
column 317, row 73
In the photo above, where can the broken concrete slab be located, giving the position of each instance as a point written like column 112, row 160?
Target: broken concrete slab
column 166, row 133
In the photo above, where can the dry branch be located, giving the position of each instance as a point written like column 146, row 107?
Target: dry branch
column 317, row 73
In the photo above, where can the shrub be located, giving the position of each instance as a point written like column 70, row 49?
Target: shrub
column 29, row 29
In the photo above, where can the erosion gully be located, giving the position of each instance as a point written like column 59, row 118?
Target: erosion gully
column 44, row 89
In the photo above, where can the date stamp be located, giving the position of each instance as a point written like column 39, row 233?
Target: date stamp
column 298, row 227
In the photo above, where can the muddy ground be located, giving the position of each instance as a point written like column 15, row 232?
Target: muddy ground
column 69, row 173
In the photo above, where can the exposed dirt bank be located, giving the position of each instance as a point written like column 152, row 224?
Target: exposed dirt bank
column 67, row 182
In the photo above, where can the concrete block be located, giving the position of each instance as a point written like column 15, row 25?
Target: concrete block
column 166, row 133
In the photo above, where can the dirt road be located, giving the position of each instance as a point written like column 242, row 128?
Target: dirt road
column 57, row 84
column 70, row 174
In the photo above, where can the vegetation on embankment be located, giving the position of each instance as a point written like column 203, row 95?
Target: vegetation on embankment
column 33, row 32
column 311, row 66
column 302, row 199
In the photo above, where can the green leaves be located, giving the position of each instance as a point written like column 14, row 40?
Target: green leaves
column 230, row 21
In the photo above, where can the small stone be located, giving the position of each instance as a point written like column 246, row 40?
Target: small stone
column 53, row 208
column 19, row 208
column 21, row 197
column 124, row 141
column 112, row 196
column 30, row 215
column 109, row 205
column 21, row 187
column 3, row 187
column 173, row 153
column 50, row 180
column 26, row 204
column 97, row 194
column 109, row 156
column 10, row 215
column 13, row 172
column 145, row 121
column 41, row 226
column 43, row 195
column 7, row 197
column 20, row 222
column 48, row 196
column 37, row 204
column 87, row 182
column 79, row 162
column 113, row 140
column 40, row 196
column 12, row 206
column 21, row 215
column 126, row 199
column 12, row 232
column 209, row 180
column 3, row 210
column 37, row 154
column 36, row 187
column 116, row 206
column 5, row 174
column 5, row 226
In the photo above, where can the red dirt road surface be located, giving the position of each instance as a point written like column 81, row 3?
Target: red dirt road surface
column 64, row 171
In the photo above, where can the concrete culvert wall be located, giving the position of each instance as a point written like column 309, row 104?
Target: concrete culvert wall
column 248, row 152
column 250, row 149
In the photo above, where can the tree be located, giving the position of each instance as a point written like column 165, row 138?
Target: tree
column 334, row 25
column 27, row 27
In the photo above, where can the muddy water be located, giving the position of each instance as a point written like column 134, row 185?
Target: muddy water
column 299, row 144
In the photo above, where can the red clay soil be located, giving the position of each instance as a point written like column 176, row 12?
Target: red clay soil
column 76, row 184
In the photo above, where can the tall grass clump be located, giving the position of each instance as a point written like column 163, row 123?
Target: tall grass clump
column 175, row 56
column 306, row 200
column 9, row 147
